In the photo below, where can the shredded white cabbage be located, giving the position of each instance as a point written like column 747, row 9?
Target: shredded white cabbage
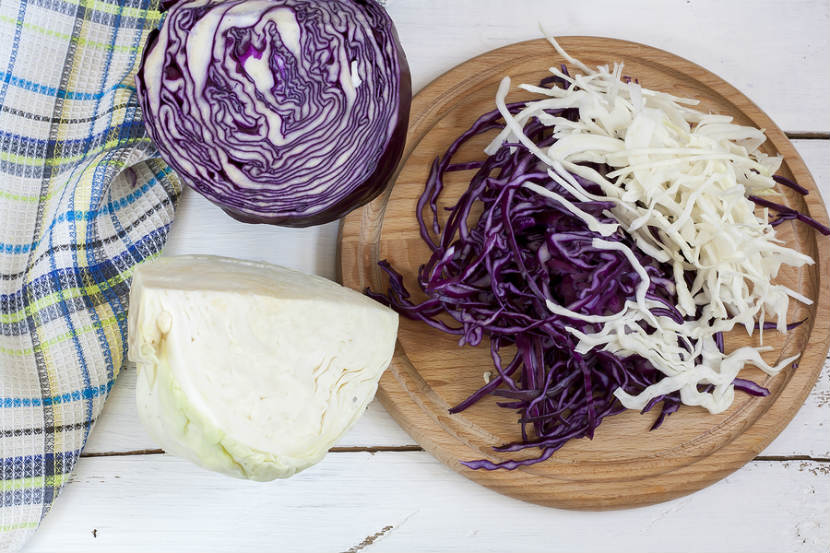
column 687, row 174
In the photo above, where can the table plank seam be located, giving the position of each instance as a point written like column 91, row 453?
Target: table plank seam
column 784, row 458
column 807, row 135
column 416, row 448
column 340, row 449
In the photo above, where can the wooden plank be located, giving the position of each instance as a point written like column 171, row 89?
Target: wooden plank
column 412, row 502
column 774, row 54
column 816, row 154
column 202, row 228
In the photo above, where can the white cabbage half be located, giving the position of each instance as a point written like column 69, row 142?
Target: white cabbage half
column 250, row 369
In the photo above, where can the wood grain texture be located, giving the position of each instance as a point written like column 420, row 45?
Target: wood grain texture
column 624, row 465
column 163, row 503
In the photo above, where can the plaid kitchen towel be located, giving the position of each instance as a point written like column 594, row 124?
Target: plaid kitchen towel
column 82, row 200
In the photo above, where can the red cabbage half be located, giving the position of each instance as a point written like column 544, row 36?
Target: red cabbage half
column 288, row 112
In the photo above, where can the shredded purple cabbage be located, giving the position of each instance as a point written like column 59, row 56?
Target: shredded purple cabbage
column 788, row 213
column 492, row 276
column 488, row 278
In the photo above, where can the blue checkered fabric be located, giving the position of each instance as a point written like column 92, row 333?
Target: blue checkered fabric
column 83, row 199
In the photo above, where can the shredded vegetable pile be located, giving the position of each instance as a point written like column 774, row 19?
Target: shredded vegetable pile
column 617, row 241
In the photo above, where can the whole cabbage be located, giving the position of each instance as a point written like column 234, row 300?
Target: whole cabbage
column 288, row 112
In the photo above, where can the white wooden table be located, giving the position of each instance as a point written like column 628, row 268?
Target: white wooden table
column 377, row 490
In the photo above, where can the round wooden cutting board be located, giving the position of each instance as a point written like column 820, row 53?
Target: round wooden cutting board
column 625, row 465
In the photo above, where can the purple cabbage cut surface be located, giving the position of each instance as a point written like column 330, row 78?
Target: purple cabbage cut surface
column 288, row 112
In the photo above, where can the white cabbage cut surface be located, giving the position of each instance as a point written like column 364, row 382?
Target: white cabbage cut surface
column 687, row 174
column 250, row 369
